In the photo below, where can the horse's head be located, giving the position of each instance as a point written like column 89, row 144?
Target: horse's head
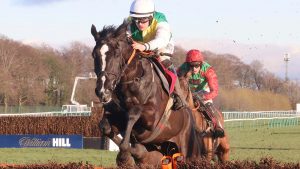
column 109, row 59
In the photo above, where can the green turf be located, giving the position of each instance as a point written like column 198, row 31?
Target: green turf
column 247, row 143
column 44, row 155
column 283, row 144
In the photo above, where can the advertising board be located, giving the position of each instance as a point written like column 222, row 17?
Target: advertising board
column 41, row 141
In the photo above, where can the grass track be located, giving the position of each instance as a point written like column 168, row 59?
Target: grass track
column 283, row 144
column 44, row 155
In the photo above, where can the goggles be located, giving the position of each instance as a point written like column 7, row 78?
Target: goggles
column 194, row 65
column 141, row 20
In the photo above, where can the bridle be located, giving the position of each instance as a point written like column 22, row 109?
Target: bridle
column 126, row 64
column 118, row 76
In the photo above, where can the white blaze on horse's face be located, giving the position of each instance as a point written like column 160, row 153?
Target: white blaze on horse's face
column 103, row 51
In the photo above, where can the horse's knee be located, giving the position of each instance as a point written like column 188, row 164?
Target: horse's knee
column 124, row 147
column 138, row 151
column 145, row 157
column 125, row 159
column 225, row 153
column 224, row 144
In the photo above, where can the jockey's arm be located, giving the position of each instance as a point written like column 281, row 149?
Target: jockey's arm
column 212, row 81
column 162, row 37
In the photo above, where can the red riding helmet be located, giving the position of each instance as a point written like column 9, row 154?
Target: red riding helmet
column 194, row 55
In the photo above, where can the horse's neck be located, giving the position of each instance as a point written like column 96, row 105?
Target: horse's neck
column 201, row 123
column 134, row 69
column 140, row 73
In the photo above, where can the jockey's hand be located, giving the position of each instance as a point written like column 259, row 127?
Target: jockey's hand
column 198, row 96
column 188, row 74
column 138, row 46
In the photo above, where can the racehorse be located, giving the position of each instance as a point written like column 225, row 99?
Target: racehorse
column 212, row 146
column 127, row 78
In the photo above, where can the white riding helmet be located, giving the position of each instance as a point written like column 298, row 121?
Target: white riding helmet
column 142, row 8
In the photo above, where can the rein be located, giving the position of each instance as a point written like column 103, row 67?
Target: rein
column 144, row 53
column 131, row 56
column 148, row 53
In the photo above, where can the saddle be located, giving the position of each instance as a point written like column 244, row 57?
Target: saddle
column 167, row 77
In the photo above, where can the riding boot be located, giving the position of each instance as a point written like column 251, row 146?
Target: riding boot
column 179, row 99
column 215, row 116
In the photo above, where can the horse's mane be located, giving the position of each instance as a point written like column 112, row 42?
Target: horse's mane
column 111, row 31
column 107, row 31
column 121, row 31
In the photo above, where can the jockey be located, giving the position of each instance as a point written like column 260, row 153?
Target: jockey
column 203, row 83
column 151, row 32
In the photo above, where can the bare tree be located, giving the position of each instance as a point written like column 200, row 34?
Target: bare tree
column 178, row 56
column 80, row 63
column 292, row 89
column 272, row 83
column 257, row 73
column 8, row 56
column 226, row 67
column 244, row 76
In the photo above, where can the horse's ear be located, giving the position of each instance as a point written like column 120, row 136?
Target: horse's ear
column 121, row 30
column 94, row 32
column 188, row 74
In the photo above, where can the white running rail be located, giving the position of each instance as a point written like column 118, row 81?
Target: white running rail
column 259, row 115
column 56, row 113
column 228, row 116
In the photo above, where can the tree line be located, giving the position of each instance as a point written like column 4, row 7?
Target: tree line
column 44, row 76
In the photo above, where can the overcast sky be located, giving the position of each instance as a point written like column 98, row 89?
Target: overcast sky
column 250, row 29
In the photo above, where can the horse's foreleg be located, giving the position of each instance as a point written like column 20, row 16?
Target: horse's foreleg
column 133, row 115
column 192, row 142
column 223, row 149
column 106, row 130
column 208, row 151
column 123, row 157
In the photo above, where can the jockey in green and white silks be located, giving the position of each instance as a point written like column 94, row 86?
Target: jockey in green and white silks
column 151, row 31
column 157, row 36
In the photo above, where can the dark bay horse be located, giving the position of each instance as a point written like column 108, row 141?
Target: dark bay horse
column 211, row 145
column 128, row 79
